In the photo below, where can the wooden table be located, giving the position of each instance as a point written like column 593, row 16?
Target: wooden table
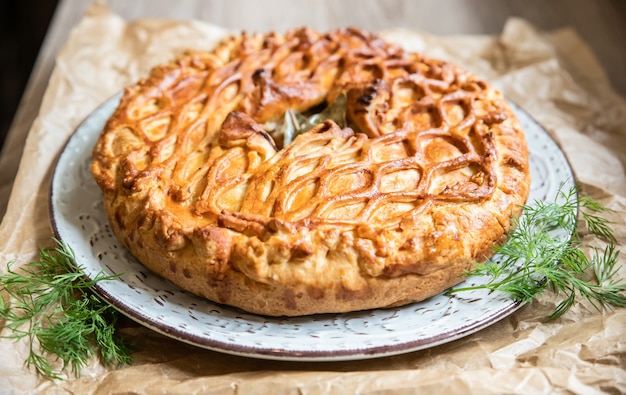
column 601, row 23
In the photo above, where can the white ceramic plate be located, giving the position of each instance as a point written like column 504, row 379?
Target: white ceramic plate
column 78, row 219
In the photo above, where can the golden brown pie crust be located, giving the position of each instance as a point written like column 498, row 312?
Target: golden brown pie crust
column 391, row 209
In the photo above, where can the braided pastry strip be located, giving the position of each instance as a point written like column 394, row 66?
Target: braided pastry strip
column 391, row 209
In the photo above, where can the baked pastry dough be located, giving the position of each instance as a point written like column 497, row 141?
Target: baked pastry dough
column 414, row 176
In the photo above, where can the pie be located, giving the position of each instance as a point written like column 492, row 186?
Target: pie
column 302, row 173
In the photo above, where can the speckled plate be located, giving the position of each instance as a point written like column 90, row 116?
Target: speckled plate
column 78, row 219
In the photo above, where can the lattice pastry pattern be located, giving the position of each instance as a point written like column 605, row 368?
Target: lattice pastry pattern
column 193, row 165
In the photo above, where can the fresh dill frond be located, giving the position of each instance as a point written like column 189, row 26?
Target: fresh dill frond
column 50, row 303
column 544, row 252
column 597, row 225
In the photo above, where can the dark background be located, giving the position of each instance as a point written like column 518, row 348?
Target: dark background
column 23, row 26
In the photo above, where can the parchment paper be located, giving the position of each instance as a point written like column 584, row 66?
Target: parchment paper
column 553, row 75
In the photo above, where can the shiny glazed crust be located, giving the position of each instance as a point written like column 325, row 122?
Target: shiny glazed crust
column 388, row 209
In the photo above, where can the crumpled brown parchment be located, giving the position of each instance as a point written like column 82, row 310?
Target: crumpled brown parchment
column 554, row 76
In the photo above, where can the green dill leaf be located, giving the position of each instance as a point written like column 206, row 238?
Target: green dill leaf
column 564, row 305
column 535, row 257
column 50, row 303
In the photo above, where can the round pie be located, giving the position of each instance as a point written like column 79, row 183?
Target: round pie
column 311, row 172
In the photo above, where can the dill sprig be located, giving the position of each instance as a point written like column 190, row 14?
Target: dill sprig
column 49, row 302
column 538, row 256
